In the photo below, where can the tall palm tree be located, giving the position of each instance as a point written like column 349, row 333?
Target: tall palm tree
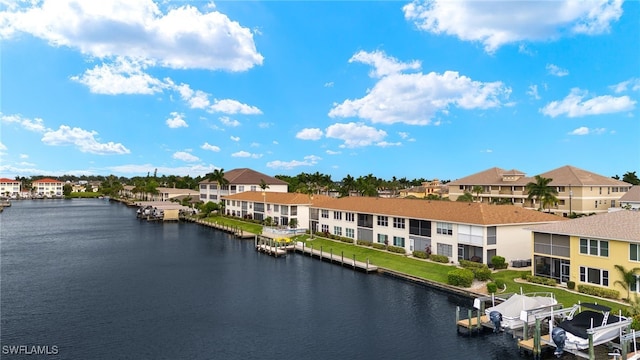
column 263, row 185
column 628, row 278
column 218, row 177
column 477, row 189
column 348, row 184
column 541, row 191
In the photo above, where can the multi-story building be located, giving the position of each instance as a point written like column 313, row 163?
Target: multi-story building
column 47, row 187
column 585, row 250
column 433, row 187
column 631, row 199
column 163, row 193
column 281, row 207
column 9, row 188
column 579, row 191
column 240, row 180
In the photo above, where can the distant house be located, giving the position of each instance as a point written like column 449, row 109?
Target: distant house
column 433, row 187
column 10, row 188
column 631, row 199
column 47, row 187
column 469, row 231
column 164, row 194
column 240, row 180
column 585, row 250
column 579, row 191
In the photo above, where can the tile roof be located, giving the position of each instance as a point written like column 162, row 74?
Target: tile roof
column 245, row 176
column 492, row 176
column 566, row 175
column 5, row 180
column 633, row 195
column 450, row 211
column 616, row 225
column 46, row 180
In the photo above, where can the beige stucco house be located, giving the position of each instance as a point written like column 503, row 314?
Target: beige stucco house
column 240, row 180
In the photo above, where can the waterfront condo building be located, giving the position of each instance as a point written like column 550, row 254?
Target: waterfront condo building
column 240, row 180
column 9, row 188
column 47, row 187
column 585, row 250
column 579, row 191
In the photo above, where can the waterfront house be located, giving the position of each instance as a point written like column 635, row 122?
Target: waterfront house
column 240, row 180
column 585, row 250
column 47, row 187
column 164, row 194
column 631, row 199
column 579, row 191
column 10, row 188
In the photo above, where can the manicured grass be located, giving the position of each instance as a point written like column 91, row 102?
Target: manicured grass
column 86, row 194
column 422, row 268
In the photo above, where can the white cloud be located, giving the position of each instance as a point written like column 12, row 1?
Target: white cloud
column 207, row 146
column 533, row 92
column 382, row 64
column 196, row 99
column 24, row 156
column 124, row 76
column 35, row 125
column 235, row 138
column 574, row 106
column 555, row 70
column 185, row 156
column 498, row 23
column 230, row 106
column 583, row 130
column 227, row 121
column 309, row 134
column 328, row 84
column 486, row 151
column 264, row 125
column 415, row 98
column 246, row 154
column 388, row 144
column 355, row 135
column 403, row 134
column 183, row 38
column 331, row 152
column 523, row 49
column 3, row 147
column 309, row 160
column 176, row 121
column 84, row 140
column 633, row 84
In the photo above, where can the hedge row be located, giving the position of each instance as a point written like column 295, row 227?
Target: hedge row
column 539, row 280
column 420, row 254
column 460, row 277
column 598, row 291
column 439, row 258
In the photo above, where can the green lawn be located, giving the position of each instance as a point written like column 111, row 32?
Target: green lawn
column 422, row 268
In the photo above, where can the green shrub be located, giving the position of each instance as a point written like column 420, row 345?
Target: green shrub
column 526, row 276
column 492, row 288
column 379, row 246
column 482, row 274
column 346, row 240
column 420, row 254
column 499, row 283
column 571, row 285
column 598, row 291
column 471, row 264
column 541, row 280
column 364, row 243
column 439, row 258
column 498, row 262
column 460, row 277
column 397, row 249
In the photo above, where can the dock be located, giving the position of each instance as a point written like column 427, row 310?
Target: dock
column 329, row 256
column 233, row 230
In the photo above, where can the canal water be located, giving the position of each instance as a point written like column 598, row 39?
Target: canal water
column 85, row 279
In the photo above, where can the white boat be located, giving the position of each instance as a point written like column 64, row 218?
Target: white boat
column 509, row 312
column 572, row 334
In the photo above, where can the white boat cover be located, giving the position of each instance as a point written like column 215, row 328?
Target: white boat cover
column 512, row 307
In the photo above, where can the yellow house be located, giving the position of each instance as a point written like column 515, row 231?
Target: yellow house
column 585, row 250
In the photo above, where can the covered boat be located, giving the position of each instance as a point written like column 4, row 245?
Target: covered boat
column 508, row 314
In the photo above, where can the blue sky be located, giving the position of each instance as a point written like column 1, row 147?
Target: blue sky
column 434, row 89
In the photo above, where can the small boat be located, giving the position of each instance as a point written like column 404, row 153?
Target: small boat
column 594, row 320
column 509, row 313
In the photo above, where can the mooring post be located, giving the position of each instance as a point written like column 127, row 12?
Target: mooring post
column 342, row 258
column 469, row 319
column 354, row 261
column 592, row 353
column 320, row 252
column 367, row 264
column 331, row 254
column 536, row 341
column 457, row 318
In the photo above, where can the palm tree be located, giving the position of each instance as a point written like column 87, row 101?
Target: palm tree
column 218, row 177
column 477, row 189
column 263, row 185
column 467, row 197
column 348, row 184
column 628, row 278
column 541, row 191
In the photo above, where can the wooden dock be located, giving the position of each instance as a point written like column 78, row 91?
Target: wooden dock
column 528, row 344
column 234, row 230
column 329, row 256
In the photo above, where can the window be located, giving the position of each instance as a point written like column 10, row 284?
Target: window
column 349, row 233
column 213, row 197
column 213, row 187
column 382, row 238
column 398, row 223
column 240, row 188
column 324, row 214
column 254, row 188
column 276, row 208
column 445, row 229
column 383, row 221
column 444, row 249
column 634, row 252
column 284, row 209
column 398, row 241
column 337, row 230
column 594, row 276
column 337, row 215
column 350, row 216
column 325, row 228
column 203, row 187
column 491, row 235
column 594, row 247
column 294, row 210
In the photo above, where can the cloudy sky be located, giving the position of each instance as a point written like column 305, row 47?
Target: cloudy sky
column 433, row 89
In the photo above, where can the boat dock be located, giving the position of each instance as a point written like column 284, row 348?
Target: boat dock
column 233, row 230
column 323, row 255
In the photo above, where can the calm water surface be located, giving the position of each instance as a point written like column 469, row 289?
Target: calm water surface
column 89, row 278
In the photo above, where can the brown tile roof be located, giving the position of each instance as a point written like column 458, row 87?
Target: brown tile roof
column 618, row 225
column 492, row 176
column 5, row 180
column 633, row 195
column 278, row 197
column 46, row 180
column 565, row 175
column 244, row 176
